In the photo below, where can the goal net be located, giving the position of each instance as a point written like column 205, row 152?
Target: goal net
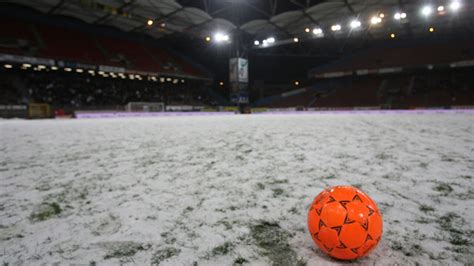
column 145, row 107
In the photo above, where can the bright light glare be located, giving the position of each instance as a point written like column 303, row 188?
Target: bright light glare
column 426, row 10
column 149, row 22
column 306, row 30
column 296, row 39
column 317, row 31
column 221, row 37
column 397, row 16
column 271, row 40
column 455, row 5
column 355, row 24
column 256, row 43
column 440, row 8
column 375, row 20
column 336, row 27
column 7, row 66
column 403, row 15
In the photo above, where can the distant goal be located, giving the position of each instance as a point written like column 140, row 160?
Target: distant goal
column 145, row 107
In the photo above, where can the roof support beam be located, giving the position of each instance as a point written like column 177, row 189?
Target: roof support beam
column 160, row 18
column 284, row 31
column 103, row 18
column 56, row 7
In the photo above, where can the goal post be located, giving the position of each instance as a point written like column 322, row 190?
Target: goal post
column 39, row 110
column 145, row 107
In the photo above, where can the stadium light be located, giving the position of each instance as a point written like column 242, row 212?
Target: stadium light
column 208, row 38
column 54, row 68
column 79, row 70
column 67, row 69
column 440, row 8
column 317, row 31
column 393, row 36
column 296, row 39
column 306, row 30
column 336, row 27
column 426, row 10
column 297, row 83
column 381, row 15
column 375, row 20
column 431, row 29
column 455, row 5
column 149, row 22
column 355, row 24
column 221, row 37
column 26, row 65
column 397, row 16
column 271, row 40
column 7, row 66
column 256, row 42
column 403, row 15
column 221, row 83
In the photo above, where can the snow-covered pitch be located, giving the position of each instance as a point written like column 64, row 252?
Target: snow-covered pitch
column 231, row 189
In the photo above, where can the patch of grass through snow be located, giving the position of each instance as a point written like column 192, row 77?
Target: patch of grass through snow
column 273, row 240
column 164, row 254
column 45, row 211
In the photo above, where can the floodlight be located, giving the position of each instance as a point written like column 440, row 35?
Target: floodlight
column 306, row 30
column 208, row 38
column 221, row 37
column 79, row 70
column 271, row 40
column 317, row 31
column 455, row 5
column 54, row 68
column 440, row 8
column 375, row 20
column 256, row 42
column 149, row 22
column 7, row 66
column 426, row 10
column 403, row 15
column 355, row 24
column 296, row 40
column 336, row 27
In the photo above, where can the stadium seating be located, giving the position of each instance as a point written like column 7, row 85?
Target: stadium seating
column 61, row 43
column 16, row 36
column 401, row 56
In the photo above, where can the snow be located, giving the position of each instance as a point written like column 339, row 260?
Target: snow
column 206, row 190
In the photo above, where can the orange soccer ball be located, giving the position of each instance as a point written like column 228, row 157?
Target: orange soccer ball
column 344, row 222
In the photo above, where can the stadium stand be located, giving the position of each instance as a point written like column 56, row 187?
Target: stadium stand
column 62, row 43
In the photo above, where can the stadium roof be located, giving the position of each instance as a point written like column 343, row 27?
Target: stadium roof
column 256, row 18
